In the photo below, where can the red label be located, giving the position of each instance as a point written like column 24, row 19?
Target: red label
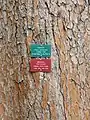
column 40, row 65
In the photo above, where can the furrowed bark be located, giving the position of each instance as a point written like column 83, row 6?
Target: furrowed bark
column 63, row 94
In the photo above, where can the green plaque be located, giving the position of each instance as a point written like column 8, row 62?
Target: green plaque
column 39, row 50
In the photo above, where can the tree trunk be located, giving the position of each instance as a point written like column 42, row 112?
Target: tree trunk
column 62, row 94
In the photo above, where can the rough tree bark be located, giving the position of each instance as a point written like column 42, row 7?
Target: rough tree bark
column 63, row 94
